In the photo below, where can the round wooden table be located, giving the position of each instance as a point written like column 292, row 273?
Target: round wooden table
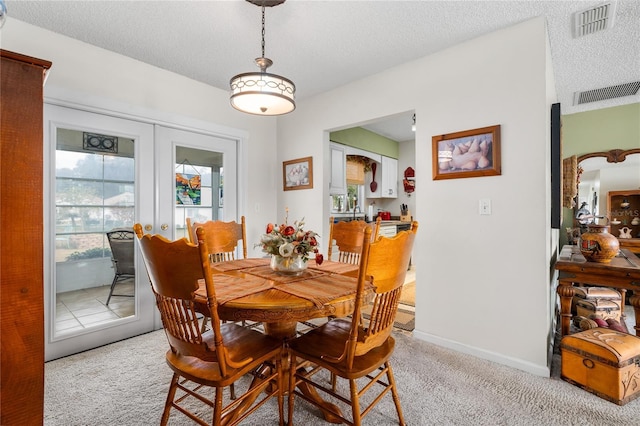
column 272, row 304
column 275, row 307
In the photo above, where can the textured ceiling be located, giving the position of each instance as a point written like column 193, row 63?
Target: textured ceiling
column 321, row 45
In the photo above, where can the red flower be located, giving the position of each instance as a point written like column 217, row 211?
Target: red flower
column 319, row 258
column 288, row 231
column 270, row 228
column 313, row 242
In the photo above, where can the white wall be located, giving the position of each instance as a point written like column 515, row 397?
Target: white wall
column 483, row 281
column 87, row 75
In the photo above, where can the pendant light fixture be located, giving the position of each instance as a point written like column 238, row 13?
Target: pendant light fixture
column 262, row 93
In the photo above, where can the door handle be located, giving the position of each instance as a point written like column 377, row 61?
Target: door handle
column 164, row 226
column 148, row 227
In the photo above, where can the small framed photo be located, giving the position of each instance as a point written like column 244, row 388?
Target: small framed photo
column 297, row 174
column 471, row 153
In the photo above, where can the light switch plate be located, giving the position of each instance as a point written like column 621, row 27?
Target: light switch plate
column 485, row 206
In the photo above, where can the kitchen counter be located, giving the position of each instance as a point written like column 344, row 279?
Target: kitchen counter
column 346, row 216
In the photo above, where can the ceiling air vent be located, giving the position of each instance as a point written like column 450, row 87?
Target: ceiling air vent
column 605, row 93
column 593, row 19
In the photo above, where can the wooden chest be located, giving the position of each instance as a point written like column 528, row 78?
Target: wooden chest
column 603, row 362
column 596, row 293
column 593, row 293
column 599, row 308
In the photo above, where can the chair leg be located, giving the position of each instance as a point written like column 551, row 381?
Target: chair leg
column 355, row 402
column 394, row 393
column 217, row 407
column 280, row 383
column 172, row 393
column 113, row 286
column 292, row 388
column 232, row 390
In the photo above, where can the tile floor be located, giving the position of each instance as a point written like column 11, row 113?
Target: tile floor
column 84, row 308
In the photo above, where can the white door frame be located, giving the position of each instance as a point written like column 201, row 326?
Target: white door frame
column 111, row 109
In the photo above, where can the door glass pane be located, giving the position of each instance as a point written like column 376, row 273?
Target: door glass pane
column 199, row 187
column 94, row 194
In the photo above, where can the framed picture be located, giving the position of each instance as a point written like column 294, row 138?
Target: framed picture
column 297, row 174
column 471, row 153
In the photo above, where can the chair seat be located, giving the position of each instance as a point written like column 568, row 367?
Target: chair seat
column 327, row 341
column 246, row 343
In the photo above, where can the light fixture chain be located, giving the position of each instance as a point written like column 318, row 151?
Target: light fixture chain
column 263, row 32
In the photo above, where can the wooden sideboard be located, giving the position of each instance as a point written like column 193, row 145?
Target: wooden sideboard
column 622, row 273
column 21, row 240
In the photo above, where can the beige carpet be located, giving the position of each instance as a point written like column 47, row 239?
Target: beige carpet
column 125, row 384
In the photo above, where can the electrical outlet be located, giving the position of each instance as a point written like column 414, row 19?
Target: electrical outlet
column 485, row 206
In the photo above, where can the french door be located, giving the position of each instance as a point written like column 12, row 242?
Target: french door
column 104, row 173
column 197, row 175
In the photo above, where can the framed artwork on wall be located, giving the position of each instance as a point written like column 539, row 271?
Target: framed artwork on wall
column 470, row 153
column 297, row 174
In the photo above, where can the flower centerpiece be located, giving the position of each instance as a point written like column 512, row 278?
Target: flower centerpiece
column 290, row 247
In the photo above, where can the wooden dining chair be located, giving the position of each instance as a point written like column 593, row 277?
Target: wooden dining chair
column 217, row 358
column 122, row 257
column 348, row 238
column 222, row 242
column 357, row 348
column 222, row 238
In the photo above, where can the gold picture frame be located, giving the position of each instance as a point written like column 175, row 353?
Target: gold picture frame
column 471, row 153
column 297, row 174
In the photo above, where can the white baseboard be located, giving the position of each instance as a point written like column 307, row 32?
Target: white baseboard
column 538, row 370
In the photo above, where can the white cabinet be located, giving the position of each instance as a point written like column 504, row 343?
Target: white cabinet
column 386, row 179
column 338, row 182
column 388, row 231
column 389, row 178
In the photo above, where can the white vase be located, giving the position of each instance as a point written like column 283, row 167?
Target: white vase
column 293, row 265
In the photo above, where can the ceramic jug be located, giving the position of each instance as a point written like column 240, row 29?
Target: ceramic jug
column 598, row 245
column 625, row 232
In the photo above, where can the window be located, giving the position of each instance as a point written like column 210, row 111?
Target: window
column 202, row 177
column 94, row 194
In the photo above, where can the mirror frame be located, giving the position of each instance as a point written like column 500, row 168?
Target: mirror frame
column 612, row 156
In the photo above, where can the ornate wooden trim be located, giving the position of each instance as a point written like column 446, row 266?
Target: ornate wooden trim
column 612, row 156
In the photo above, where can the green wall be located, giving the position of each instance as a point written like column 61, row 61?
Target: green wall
column 601, row 130
column 358, row 137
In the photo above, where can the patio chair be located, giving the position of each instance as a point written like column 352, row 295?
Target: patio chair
column 122, row 257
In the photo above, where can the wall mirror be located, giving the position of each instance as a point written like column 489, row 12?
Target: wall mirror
column 604, row 173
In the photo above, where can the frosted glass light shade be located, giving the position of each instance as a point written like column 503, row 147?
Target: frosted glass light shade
column 262, row 93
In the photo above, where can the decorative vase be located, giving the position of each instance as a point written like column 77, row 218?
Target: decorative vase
column 293, row 265
column 598, row 245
